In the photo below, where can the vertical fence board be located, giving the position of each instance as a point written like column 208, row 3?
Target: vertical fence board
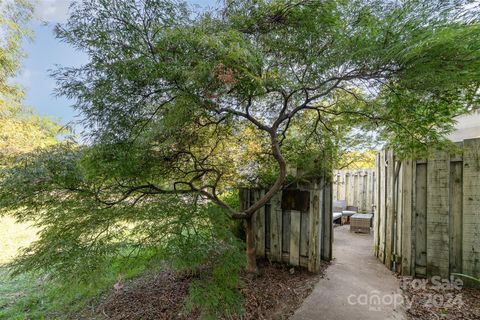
column 268, row 209
column 361, row 193
column 259, row 226
column 406, row 186
column 471, row 208
column 421, row 220
column 304, row 233
column 371, row 191
column 382, row 208
column 376, row 218
column 342, row 186
column 414, row 218
column 351, row 187
column 295, row 220
column 368, row 191
column 390, row 210
column 438, row 174
column 356, row 189
column 336, row 184
column 276, row 227
column 325, row 228
column 348, row 182
column 455, row 217
column 286, row 230
column 314, row 213
column 399, row 215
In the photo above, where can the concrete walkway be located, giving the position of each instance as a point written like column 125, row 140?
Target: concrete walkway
column 356, row 285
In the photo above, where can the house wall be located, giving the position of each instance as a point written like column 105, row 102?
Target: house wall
column 467, row 127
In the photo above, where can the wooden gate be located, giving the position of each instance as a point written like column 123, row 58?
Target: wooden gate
column 295, row 226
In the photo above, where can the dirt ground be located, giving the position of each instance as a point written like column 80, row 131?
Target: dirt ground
column 429, row 302
column 274, row 294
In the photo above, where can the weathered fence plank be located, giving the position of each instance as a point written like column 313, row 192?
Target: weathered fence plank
column 325, row 229
column 455, row 219
column 314, row 213
column 304, row 233
column 376, row 217
column 471, row 208
column 382, row 208
column 406, row 239
column 421, row 220
column 398, row 213
column 295, row 223
column 259, row 225
column 276, row 217
column 390, row 210
column 361, row 194
column 438, row 173
column 286, row 231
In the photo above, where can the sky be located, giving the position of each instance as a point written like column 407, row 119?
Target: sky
column 46, row 52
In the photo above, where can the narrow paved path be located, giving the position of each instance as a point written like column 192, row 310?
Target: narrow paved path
column 352, row 284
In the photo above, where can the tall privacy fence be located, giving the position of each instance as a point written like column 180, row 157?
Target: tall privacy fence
column 295, row 226
column 428, row 217
column 356, row 187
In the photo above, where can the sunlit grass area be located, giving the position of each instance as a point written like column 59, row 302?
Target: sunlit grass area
column 13, row 236
column 15, row 293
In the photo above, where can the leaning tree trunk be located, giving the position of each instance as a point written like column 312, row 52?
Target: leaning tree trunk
column 247, row 215
column 251, row 253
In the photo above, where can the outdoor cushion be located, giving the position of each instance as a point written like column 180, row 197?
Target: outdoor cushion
column 337, row 215
column 347, row 213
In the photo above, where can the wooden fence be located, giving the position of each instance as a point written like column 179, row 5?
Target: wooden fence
column 428, row 217
column 356, row 187
column 295, row 226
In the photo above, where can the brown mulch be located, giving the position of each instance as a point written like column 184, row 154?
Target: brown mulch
column 152, row 296
column 432, row 303
column 275, row 293
column 278, row 291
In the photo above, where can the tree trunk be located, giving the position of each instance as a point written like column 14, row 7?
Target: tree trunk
column 251, row 254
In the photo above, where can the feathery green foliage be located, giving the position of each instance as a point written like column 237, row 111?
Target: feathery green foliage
column 181, row 107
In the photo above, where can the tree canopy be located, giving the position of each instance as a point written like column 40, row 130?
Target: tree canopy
column 164, row 82
column 181, row 106
column 12, row 26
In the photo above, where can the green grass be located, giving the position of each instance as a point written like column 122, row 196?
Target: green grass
column 13, row 236
column 30, row 296
column 21, row 297
column 17, row 295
